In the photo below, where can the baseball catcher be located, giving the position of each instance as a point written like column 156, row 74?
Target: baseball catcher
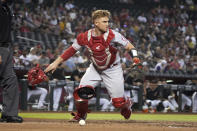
column 105, row 65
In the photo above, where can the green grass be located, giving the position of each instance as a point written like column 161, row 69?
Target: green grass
column 116, row 116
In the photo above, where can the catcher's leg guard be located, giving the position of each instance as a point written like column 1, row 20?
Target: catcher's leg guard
column 124, row 105
column 82, row 110
column 84, row 93
column 81, row 95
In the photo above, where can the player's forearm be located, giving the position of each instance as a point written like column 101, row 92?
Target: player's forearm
column 67, row 54
column 129, row 46
column 132, row 50
column 59, row 60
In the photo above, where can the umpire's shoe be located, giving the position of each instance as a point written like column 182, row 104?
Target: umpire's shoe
column 11, row 119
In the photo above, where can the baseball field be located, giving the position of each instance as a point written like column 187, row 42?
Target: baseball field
column 97, row 121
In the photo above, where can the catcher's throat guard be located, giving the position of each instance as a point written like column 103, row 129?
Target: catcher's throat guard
column 36, row 75
column 84, row 93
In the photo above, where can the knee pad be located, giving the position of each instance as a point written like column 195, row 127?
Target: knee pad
column 118, row 102
column 122, row 102
column 84, row 93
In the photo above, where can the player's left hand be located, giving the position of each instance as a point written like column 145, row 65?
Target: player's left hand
column 136, row 60
column 135, row 71
column 136, row 63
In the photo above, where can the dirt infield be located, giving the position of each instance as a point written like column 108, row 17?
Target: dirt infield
column 92, row 125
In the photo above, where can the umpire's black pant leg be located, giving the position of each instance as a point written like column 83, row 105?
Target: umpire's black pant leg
column 11, row 96
column 9, row 83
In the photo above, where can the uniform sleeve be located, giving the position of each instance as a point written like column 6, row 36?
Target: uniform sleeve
column 120, row 39
column 76, row 46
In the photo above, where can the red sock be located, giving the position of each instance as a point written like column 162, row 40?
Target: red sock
column 82, row 108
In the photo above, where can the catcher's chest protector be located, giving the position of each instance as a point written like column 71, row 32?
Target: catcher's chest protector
column 102, row 54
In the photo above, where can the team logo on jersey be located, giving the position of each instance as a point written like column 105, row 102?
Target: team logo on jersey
column 98, row 47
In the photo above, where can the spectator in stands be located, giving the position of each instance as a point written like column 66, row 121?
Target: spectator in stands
column 24, row 27
column 158, row 53
column 75, row 77
column 153, row 97
column 161, row 66
column 191, row 45
column 194, row 99
column 58, row 75
column 24, row 60
column 172, row 100
column 194, row 63
column 35, row 90
column 43, row 60
column 142, row 18
column 69, row 98
column 181, row 62
column 32, row 57
column 69, row 5
column 49, row 53
column 169, row 98
column 133, row 93
column 174, row 64
column 161, row 28
column 70, row 65
column 185, row 96
column 78, row 58
column 103, row 102
column 17, row 60
column 152, row 37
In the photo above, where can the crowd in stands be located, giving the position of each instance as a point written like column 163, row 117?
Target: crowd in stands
column 164, row 34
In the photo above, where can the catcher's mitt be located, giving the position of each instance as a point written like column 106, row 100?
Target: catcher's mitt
column 136, row 73
column 36, row 75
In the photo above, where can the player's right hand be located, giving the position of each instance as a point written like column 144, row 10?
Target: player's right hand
column 51, row 68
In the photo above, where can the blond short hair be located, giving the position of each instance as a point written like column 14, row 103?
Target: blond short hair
column 100, row 13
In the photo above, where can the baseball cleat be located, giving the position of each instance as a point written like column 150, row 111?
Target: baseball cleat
column 126, row 112
column 77, row 117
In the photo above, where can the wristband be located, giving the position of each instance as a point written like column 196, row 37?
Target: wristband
column 133, row 52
